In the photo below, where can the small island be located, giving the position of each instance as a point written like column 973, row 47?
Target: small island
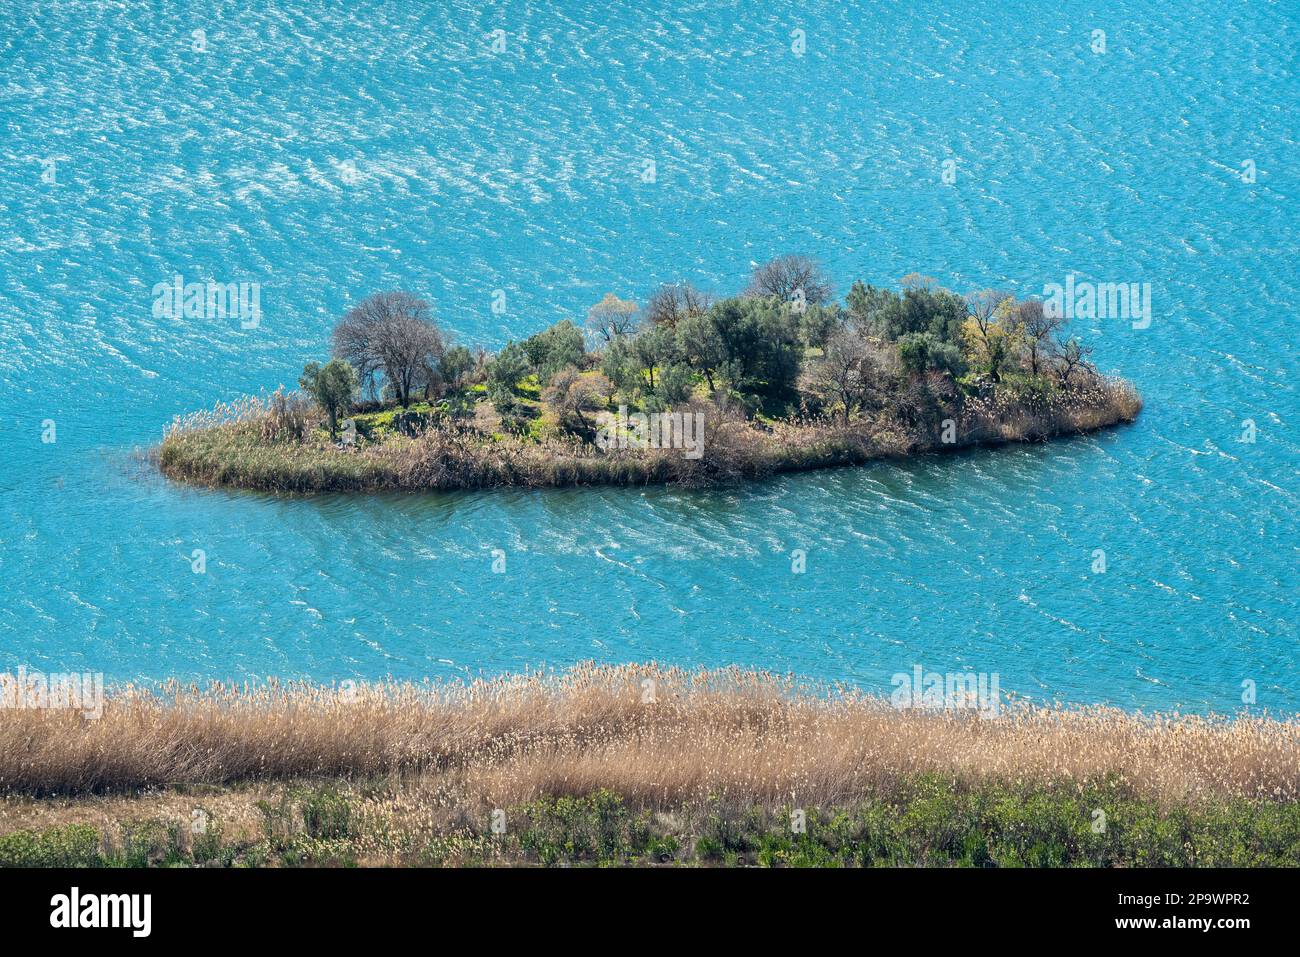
column 689, row 389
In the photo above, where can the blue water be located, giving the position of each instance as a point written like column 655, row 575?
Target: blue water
column 522, row 171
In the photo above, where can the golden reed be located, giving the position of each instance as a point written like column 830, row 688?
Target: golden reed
column 658, row 736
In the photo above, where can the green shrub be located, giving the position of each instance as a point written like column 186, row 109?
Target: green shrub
column 73, row 845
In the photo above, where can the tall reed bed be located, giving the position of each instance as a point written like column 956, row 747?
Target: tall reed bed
column 656, row 736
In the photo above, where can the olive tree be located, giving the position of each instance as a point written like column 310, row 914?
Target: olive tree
column 332, row 386
column 553, row 348
column 700, row 346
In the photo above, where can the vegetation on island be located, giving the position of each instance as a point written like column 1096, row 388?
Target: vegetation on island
column 585, row 767
column 782, row 377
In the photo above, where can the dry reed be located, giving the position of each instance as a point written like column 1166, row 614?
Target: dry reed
column 751, row 738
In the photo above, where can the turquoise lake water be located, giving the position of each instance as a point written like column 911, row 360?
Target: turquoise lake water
column 326, row 151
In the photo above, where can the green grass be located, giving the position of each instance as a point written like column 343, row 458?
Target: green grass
column 926, row 823
column 378, row 422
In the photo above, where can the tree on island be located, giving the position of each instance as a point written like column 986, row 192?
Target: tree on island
column 991, row 332
column 673, row 303
column 1038, row 327
column 789, row 278
column 850, row 370
column 391, row 334
column 332, row 386
column 571, row 394
column 612, row 317
column 554, row 348
column 1071, row 357
column 700, row 346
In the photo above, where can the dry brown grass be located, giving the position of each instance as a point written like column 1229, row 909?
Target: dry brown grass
column 751, row 738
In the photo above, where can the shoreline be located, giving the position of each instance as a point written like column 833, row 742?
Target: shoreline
column 449, row 457
column 688, row 389
column 586, row 766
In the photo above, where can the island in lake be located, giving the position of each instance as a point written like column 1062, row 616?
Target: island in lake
column 689, row 389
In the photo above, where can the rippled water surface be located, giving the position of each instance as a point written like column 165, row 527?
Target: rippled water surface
column 522, row 171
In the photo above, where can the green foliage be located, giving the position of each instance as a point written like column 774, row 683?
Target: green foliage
column 929, row 821
column 708, row 848
column 676, row 382
column 887, row 315
column 700, row 346
column 373, row 425
column 510, row 365
column 514, row 413
column 920, row 352
column 151, row 843
column 73, row 845
column 654, row 347
column 598, row 827
column 817, row 323
column 554, row 348
column 332, row 386
column 326, row 815
column 924, row 820
column 278, row 823
column 759, row 342
column 209, row 845
column 621, row 367
column 455, row 365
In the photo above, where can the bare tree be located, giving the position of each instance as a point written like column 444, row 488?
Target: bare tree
column 391, row 334
column 1037, row 329
column 983, row 306
column 571, row 393
column 612, row 317
column 786, row 276
column 850, row 371
column 1070, row 357
column 673, row 302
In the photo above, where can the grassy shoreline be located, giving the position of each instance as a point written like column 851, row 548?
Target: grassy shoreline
column 589, row 766
column 249, row 445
